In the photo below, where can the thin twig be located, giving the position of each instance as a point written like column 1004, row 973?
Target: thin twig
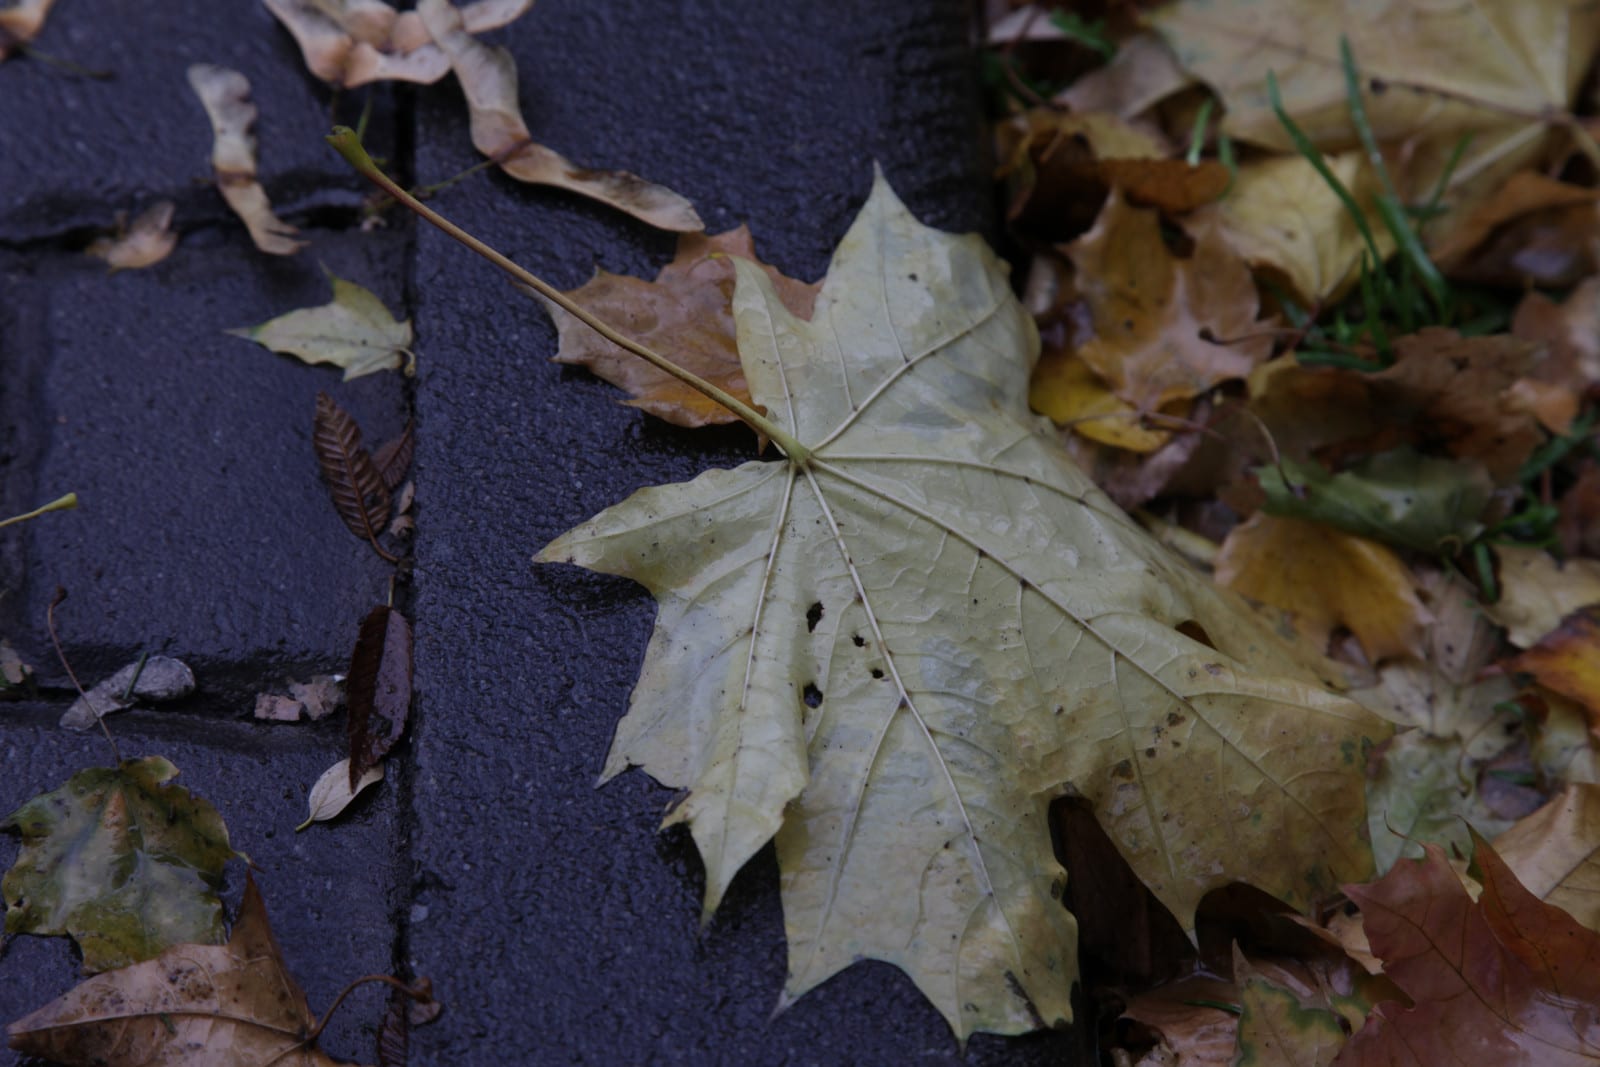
column 50, row 623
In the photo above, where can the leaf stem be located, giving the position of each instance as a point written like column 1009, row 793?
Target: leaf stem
column 344, row 140
column 64, row 503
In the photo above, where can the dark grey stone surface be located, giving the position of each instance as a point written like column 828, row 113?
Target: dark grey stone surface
column 574, row 937
column 74, row 149
column 203, row 528
column 554, row 920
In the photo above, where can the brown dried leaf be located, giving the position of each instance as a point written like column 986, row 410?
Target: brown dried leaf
column 378, row 691
column 1457, row 392
column 1164, row 328
column 1507, row 980
column 1555, row 852
column 688, row 312
column 1326, row 578
column 147, row 241
column 226, row 96
column 488, row 77
column 1579, row 526
column 21, row 23
column 353, row 42
column 1571, row 329
column 358, row 492
column 1191, row 1025
column 1533, row 230
column 393, row 458
column 194, row 1005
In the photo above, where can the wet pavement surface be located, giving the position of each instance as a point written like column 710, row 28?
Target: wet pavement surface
column 555, row 922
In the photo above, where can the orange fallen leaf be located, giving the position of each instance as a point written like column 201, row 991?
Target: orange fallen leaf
column 194, row 1006
column 686, row 312
column 1326, row 578
column 1165, row 328
column 488, row 77
column 226, row 96
column 1567, row 660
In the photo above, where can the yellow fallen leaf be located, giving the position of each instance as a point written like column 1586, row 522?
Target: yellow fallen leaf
column 1064, row 388
column 1555, row 852
column 353, row 42
column 21, row 23
column 147, row 241
column 488, row 77
column 1537, row 592
column 353, row 331
column 1283, row 218
column 1165, row 328
column 226, row 96
column 1504, row 74
column 332, row 792
column 1326, row 578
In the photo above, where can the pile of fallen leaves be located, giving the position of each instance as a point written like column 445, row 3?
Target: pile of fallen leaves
column 1319, row 296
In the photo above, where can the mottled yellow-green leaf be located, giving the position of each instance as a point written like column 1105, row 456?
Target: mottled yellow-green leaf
column 892, row 656
column 354, row 331
column 1276, row 1030
column 122, row 861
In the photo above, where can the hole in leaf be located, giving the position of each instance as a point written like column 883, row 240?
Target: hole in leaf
column 1197, row 633
column 858, row 639
column 812, row 695
column 813, row 616
column 876, row 673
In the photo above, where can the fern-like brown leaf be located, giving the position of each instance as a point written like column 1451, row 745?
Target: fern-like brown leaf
column 359, row 493
column 393, row 459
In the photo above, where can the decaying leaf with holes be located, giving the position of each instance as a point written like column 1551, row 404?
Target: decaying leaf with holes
column 488, row 77
column 353, row 331
column 120, row 859
column 892, row 649
column 194, row 1006
column 226, row 96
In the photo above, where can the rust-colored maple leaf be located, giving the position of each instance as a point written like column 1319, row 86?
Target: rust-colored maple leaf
column 687, row 313
column 1507, row 980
